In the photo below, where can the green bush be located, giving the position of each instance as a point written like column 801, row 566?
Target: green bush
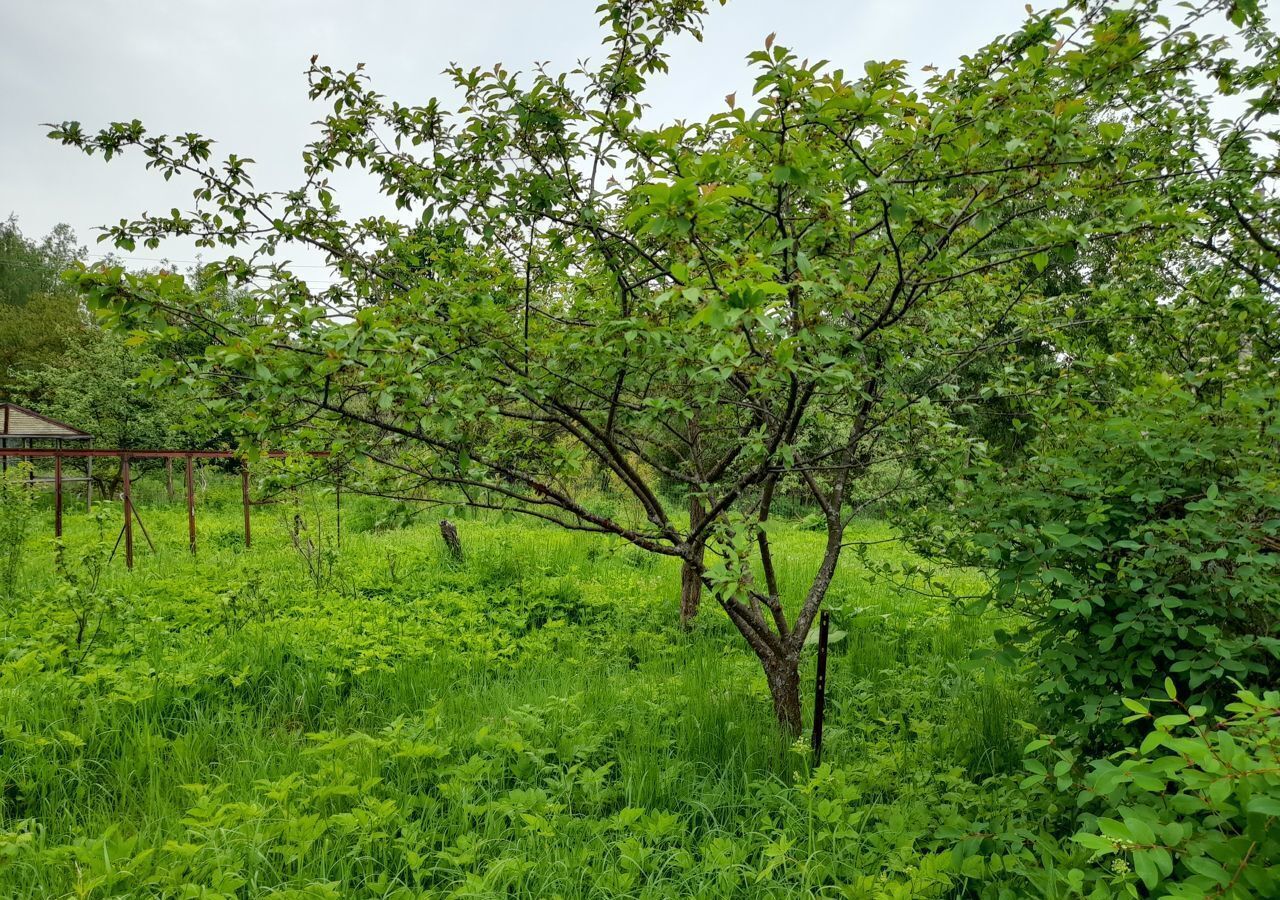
column 1141, row 544
column 1190, row 813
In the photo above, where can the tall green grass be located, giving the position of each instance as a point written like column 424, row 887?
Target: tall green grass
column 527, row 722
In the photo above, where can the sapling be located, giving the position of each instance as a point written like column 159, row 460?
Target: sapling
column 80, row 588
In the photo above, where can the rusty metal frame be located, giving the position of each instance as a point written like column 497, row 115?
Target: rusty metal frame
column 130, row 513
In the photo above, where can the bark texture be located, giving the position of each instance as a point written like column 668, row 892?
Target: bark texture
column 784, row 686
column 691, row 571
column 452, row 542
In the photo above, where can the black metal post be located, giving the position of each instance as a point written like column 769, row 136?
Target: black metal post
column 820, row 687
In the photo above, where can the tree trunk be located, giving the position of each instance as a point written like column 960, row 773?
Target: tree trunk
column 691, row 571
column 784, row 686
column 777, row 644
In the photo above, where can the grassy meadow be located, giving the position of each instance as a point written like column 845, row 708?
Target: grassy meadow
column 383, row 721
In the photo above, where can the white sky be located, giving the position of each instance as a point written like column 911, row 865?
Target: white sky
column 233, row 70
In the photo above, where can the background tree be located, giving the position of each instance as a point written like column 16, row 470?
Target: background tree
column 757, row 302
column 39, row 313
column 55, row 359
column 93, row 384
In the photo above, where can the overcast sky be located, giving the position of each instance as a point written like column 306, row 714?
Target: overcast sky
column 233, row 70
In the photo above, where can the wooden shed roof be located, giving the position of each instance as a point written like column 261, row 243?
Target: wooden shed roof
column 19, row 422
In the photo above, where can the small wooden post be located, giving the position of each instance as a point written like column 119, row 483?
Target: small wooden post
column 191, row 505
column 88, row 484
column 820, row 687
column 168, row 477
column 57, row 495
column 128, row 511
column 244, row 495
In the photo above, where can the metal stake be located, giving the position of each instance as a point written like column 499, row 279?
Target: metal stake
column 820, row 687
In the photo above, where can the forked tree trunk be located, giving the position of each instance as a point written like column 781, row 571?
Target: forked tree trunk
column 691, row 571
column 778, row 645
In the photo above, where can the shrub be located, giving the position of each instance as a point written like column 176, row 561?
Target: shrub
column 1212, row 794
column 1141, row 544
column 80, row 588
column 1193, row 812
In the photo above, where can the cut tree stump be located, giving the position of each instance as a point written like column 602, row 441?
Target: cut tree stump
column 449, row 532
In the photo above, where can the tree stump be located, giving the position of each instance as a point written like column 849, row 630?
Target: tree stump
column 449, row 532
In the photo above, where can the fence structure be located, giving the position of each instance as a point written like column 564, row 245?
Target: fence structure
column 58, row 454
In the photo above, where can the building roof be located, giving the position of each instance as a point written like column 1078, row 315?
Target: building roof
column 19, row 422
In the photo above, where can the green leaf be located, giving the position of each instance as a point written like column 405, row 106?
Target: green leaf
column 1095, row 842
column 1134, row 705
column 1141, row 831
column 1145, row 867
column 1264, row 805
